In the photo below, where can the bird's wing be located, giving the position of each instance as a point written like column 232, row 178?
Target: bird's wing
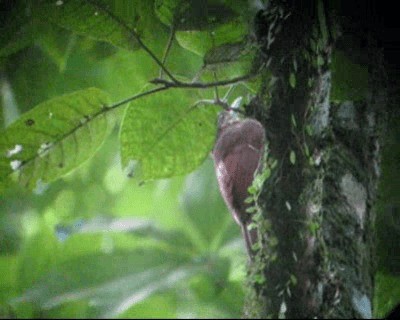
column 239, row 166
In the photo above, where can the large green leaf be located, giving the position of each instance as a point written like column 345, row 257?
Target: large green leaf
column 54, row 137
column 111, row 283
column 168, row 133
column 201, row 41
column 192, row 14
column 90, row 18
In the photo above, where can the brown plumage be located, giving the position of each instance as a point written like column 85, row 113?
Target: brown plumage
column 237, row 153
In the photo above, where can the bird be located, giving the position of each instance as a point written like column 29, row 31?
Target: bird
column 237, row 153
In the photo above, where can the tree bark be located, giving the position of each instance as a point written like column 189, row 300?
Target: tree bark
column 317, row 252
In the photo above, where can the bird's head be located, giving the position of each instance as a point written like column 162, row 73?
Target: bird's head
column 225, row 119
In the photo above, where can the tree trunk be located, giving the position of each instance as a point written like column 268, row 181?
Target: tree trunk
column 317, row 252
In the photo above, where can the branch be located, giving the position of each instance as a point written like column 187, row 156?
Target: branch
column 167, row 49
column 202, row 85
column 146, row 93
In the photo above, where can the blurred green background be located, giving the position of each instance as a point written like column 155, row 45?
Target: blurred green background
column 97, row 244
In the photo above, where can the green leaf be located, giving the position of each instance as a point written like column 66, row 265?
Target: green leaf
column 292, row 157
column 292, row 80
column 89, row 18
column 111, row 282
column 57, row 43
column 294, row 123
column 320, row 60
column 293, row 279
column 54, row 137
column 165, row 10
column 306, row 150
column 192, row 14
column 227, row 52
column 167, row 133
column 309, row 130
column 200, row 42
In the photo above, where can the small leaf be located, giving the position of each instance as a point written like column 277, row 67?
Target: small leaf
column 251, row 209
column 320, row 60
column 306, row 150
column 252, row 190
column 273, row 164
column 313, row 227
column 294, row 123
column 249, row 200
column 292, row 80
column 266, row 174
column 309, row 130
column 54, row 137
column 295, row 64
column 293, row 279
column 292, row 157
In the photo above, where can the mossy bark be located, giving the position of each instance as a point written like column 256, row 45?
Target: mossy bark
column 318, row 201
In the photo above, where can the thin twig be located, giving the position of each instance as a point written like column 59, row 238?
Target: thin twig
column 140, row 95
column 202, row 85
column 167, row 49
column 216, row 88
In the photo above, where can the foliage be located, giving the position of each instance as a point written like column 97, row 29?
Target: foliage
column 92, row 243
